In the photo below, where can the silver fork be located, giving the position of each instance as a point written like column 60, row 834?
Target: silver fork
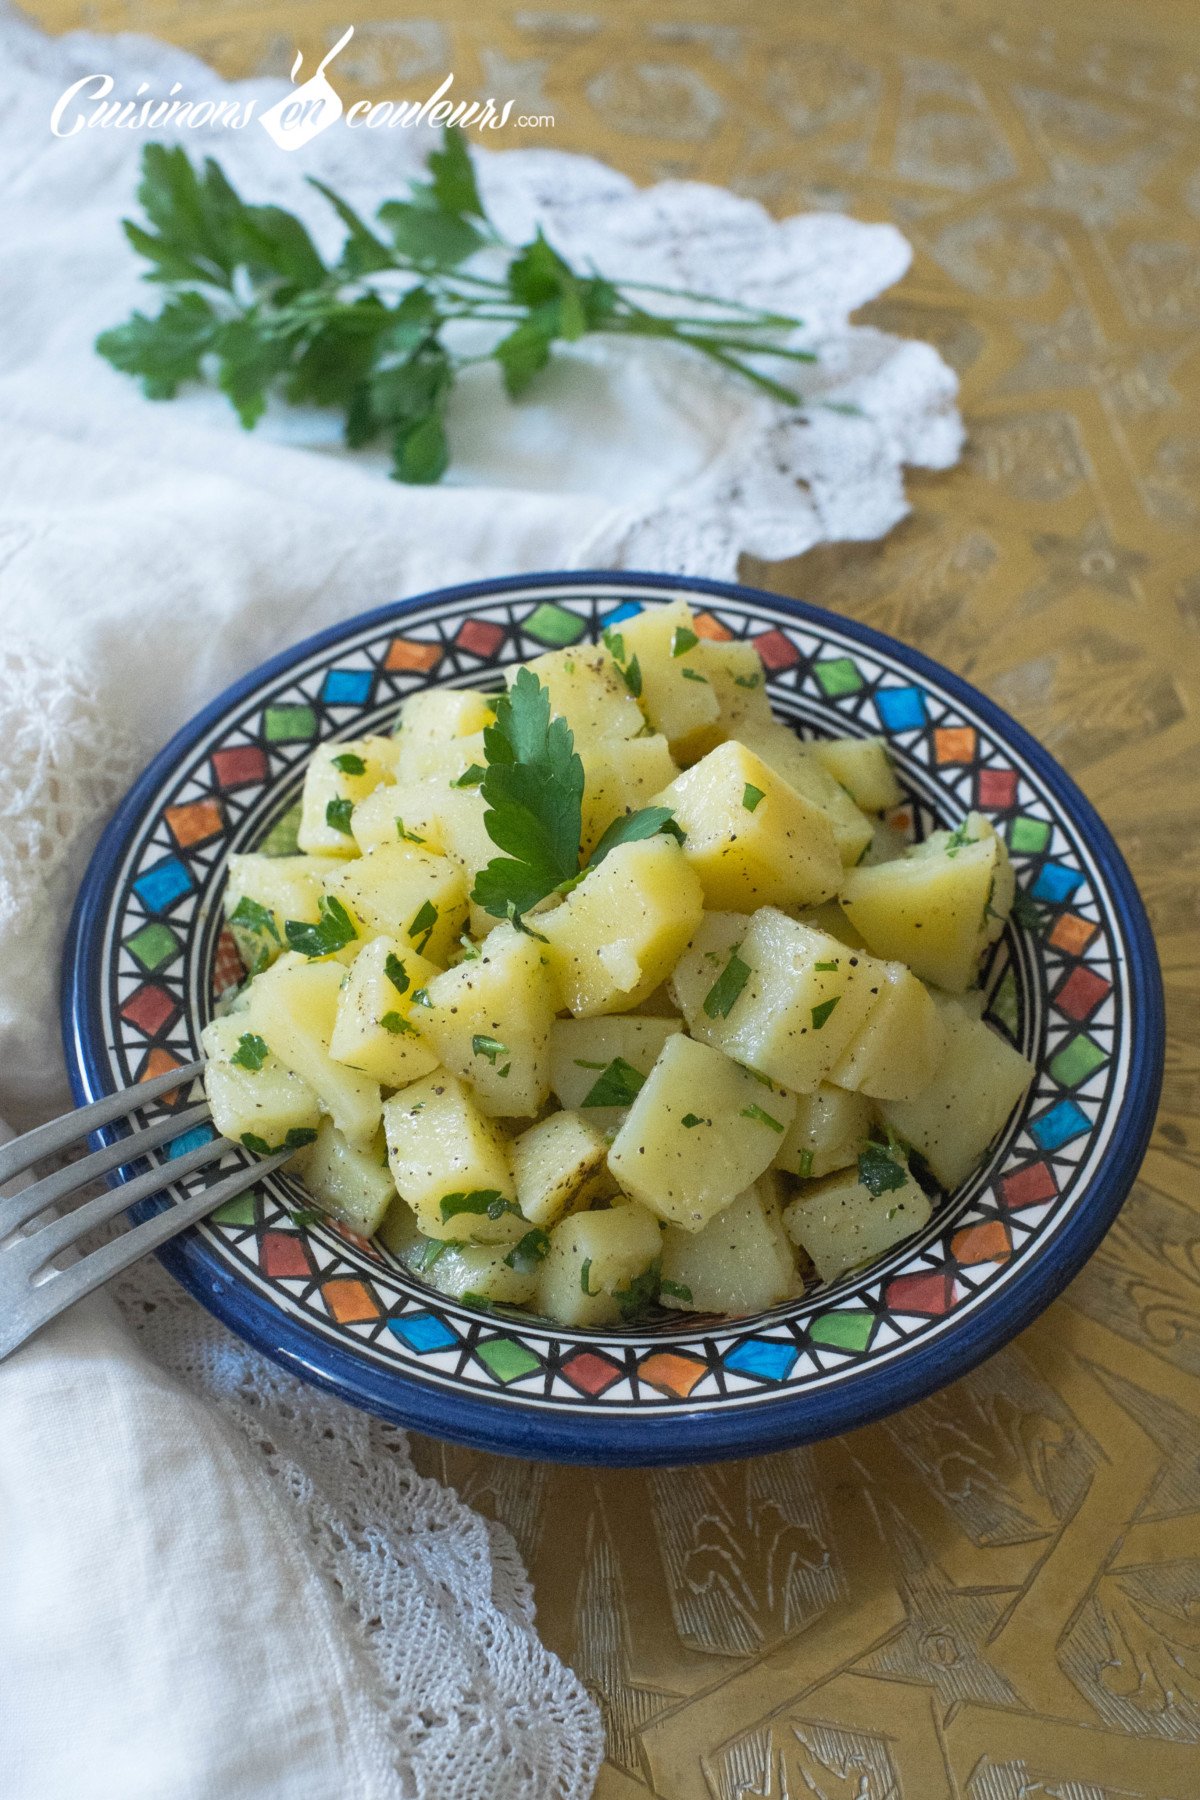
column 32, row 1292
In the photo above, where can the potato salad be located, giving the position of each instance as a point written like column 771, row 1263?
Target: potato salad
column 607, row 993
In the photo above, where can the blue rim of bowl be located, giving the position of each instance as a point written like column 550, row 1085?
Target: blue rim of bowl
column 501, row 1423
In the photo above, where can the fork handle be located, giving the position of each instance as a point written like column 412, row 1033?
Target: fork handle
column 63, row 1287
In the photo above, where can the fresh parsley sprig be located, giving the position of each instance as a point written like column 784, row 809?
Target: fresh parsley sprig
column 252, row 304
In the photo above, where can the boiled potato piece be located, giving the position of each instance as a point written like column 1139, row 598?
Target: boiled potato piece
column 581, row 1050
column 440, row 734
column 594, row 1260
column 484, row 1272
column 489, row 1019
column 404, row 892
column 621, row 776
column 830, row 917
column 897, row 1049
column 827, row 1132
column 337, row 778
column 677, row 696
column 294, row 1007
column 399, row 1232
column 619, row 933
column 863, row 768
column 738, row 679
column 751, row 839
column 700, row 967
column 264, row 1102
column 263, row 892
column 840, row 1223
column 979, row 1081
column 400, row 813
column 551, row 1162
column 443, row 1149
column 588, row 690
column 700, row 1131
column 794, row 762
column 740, row 1262
column 930, row 908
column 375, row 1029
column 354, row 1185
column 801, row 999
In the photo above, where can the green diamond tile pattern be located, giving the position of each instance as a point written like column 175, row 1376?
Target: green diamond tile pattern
column 154, row 946
column 840, row 676
column 1081, row 1058
column 507, row 1359
column 554, row 625
column 1029, row 837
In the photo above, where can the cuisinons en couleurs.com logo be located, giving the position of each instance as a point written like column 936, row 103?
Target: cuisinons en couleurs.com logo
column 292, row 122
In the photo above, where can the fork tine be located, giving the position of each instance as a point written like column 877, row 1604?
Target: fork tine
column 52, row 1188
column 36, row 1306
column 56, row 1134
column 32, row 1252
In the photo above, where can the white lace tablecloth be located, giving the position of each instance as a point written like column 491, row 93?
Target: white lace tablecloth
column 218, row 1582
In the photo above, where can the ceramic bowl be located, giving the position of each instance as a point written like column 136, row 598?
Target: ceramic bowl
column 1073, row 983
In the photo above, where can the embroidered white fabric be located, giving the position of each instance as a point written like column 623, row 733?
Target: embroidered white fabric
column 149, row 555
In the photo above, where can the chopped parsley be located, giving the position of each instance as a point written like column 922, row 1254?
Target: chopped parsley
column 470, row 777
column 427, row 1255
column 826, row 968
column 694, row 675
column 528, row 1252
column 253, row 917
column 484, row 1201
column 619, row 1085
column 676, row 1291
column 751, row 796
column 332, row 932
column 1025, row 912
column 632, row 674
column 251, row 1052
column 349, row 763
column 689, row 1121
column 683, row 640
column 396, row 972
column 392, row 1021
column 821, row 1013
column 584, row 1276
column 421, row 997
column 755, row 1112
column 804, row 1164
column 405, row 835
column 956, row 840
column 490, row 1047
column 580, row 1064
column 338, row 814
column 422, row 926
column 296, row 1137
column 725, row 991
column 639, row 1293
column 747, row 681
column 879, row 1171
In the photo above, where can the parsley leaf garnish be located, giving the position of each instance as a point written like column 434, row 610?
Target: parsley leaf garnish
column 489, row 1201
column 338, row 814
column 751, row 796
column 251, row 916
column 488, row 1046
column 725, row 991
column 630, row 829
column 689, row 1121
column 683, row 640
column 821, row 1013
column 755, row 1112
column 470, row 777
column 878, row 1170
column 422, row 925
column 533, row 789
column 332, row 932
column 619, row 1085
column 349, row 763
column 399, row 1027
column 251, row 1052
column 529, row 1251
column 396, row 972
column 296, row 1137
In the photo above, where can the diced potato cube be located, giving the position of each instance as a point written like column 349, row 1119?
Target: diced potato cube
column 740, row 1263
column 263, row 892
column 621, row 777
column 677, row 696
column 440, row 733
column 294, row 1007
column 739, row 681
column 827, row 1132
column 863, row 767
column 451, row 1163
column 620, row 932
column 887, row 843
column 354, row 1185
column 979, row 1081
column 375, row 1029
column 830, row 917
column 802, row 999
column 841, row 1224
column 265, row 1103
column 406, row 893
column 399, row 1232
column 796, row 764
column 929, row 909
column 460, row 814
column 581, row 1050
column 588, row 690
column 337, row 778
column 594, row 1260
column 490, row 1018
column 897, row 1049
column 482, row 1271
column 400, row 813
column 551, row 1162
column 701, row 966
column 751, row 839
column 700, row 1131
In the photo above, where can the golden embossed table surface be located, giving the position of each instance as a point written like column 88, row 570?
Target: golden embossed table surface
column 997, row 1593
